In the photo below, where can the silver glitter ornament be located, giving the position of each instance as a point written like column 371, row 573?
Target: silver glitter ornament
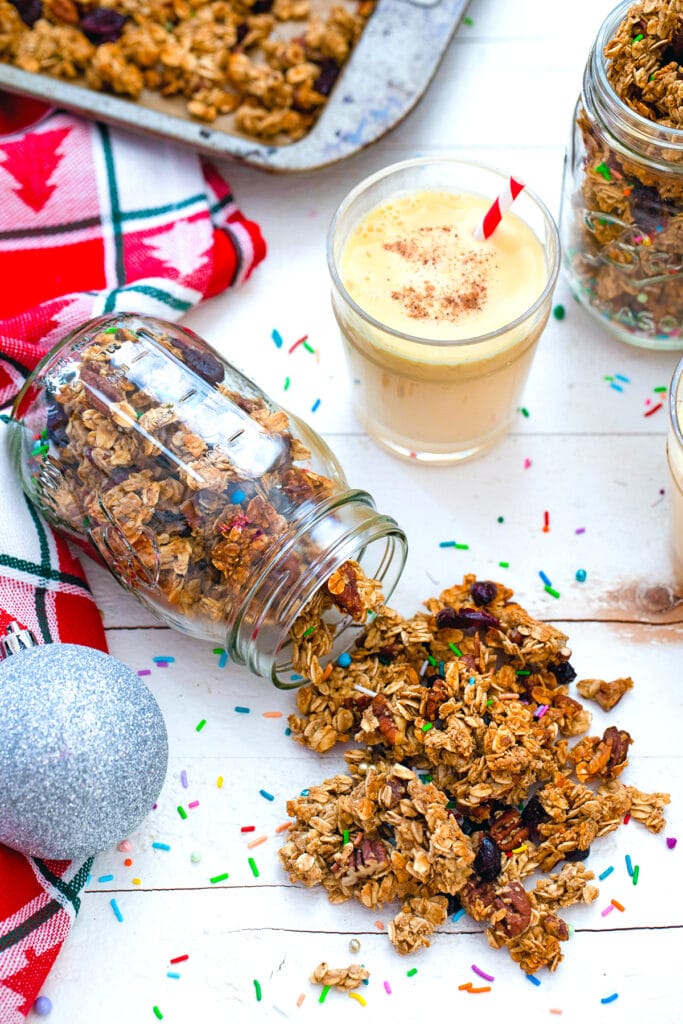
column 83, row 750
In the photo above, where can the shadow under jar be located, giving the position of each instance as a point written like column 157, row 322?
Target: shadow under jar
column 621, row 221
column 225, row 515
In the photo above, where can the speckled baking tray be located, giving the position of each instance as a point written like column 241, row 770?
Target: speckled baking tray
column 387, row 73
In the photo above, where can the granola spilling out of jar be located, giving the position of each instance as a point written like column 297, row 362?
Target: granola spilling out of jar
column 174, row 469
column 625, row 179
column 271, row 64
column 466, row 783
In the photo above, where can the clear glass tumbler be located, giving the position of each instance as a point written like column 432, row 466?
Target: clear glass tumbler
column 439, row 365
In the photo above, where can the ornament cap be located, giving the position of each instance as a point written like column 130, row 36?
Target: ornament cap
column 16, row 640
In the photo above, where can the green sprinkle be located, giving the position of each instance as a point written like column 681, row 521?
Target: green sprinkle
column 489, row 702
column 659, row 391
column 523, row 672
column 311, row 629
column 431, row 659
column 651, row 78
column 462, row 547
column 110, row 330
column 456, row 650
column 323, row 994
column 427, row 778
column 636, row 872
column 345, row 836
column 427, row 726
column 504, row 565
column 551, row 591
column 254, row 869
column 219, row 878
column 182, row 812
column 524, row 411
column 309, row 348
column 468, row 21
column 287, row 383
column 636, row 39
column 500, row 519
column 411, row 972
column 257, row 990
column 604, row 170
column 559, row 311
column 157, row 1013
column 200, row 725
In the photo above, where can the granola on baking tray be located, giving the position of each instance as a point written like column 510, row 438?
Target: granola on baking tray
column 466, row 783
column 186, row 481
column 269, row 63
column 627, row 247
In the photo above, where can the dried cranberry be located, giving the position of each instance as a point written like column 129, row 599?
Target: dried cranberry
column 532, row 816
column 204, row 363
column 57, row 420
column 102, row 25
column 261, row 6
column 329, row 72
column 29, row 10
column 240, row 32
column 483, row 592
column 487, row 861
column 574, row 855
column 564, row 673
column 465, row 618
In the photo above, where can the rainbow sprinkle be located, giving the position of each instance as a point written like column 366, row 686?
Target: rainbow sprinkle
column 117, row 910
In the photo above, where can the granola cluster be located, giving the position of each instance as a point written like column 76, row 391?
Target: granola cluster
column 269, row 64
column 190, row 488
column 627, row 253
column 466, row 783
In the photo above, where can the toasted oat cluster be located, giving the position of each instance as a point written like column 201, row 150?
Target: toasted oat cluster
column 466, row 783
column 184, row 483
column 343, row 978
column 269, row 63
column 629, row 232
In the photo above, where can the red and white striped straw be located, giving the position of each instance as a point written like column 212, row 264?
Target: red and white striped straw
column 497, row 209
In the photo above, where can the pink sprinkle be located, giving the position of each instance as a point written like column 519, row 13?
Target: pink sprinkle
column 387, row 988
column 580, row 529
column 193, row 803
column 482, row 974
column 144, row 672
column 125, row 845
column 183, row 778
column 671, row 842
column 540, row 711
column 608, row 910
column 527, row 463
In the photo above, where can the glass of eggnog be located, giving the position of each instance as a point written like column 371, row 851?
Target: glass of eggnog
column 439, row 328
column 674, row 451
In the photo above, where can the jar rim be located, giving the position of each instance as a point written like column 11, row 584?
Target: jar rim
column 628, row 126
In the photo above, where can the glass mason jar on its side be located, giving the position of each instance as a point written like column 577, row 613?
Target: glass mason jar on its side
column 674, row 454
column 225, row 515
column 621, row 221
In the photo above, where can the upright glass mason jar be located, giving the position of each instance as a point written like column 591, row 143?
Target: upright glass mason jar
column 621, row 221
column 225, row 515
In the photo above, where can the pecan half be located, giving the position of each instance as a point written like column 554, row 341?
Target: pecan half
column 516, row 907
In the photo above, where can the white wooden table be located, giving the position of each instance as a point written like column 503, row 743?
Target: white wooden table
column 503, row 95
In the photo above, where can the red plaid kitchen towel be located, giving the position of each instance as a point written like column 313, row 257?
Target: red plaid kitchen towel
column 92, row 220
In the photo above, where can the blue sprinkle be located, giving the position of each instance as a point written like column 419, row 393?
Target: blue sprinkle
column 344, row 660
column 629, row 865
column 458, row 914
column 237, row 497
column 266, row 795
column 620, row 376
column 545, row 579
column 581, row 575
column 242, row 711
column 470, row 681
column 117, row 912
column 160, row 846
column 106, row 878
column 616, row 387
column 277, row 337
column 533, row 980
column 610, row 999
column 295, row 678
column 446, row 543
column 606, row 872
column 288, row 731
column 223, row 660
column 172, row 974
column 165, row 658
column 442, row 669
column 316, row 405
column 304, row 792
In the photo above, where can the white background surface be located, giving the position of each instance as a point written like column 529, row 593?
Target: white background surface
column 504, row 95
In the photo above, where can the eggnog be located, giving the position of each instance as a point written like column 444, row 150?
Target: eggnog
column 439, row 329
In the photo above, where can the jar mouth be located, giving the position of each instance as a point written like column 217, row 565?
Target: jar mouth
column 626, row 125
column 353, row 531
